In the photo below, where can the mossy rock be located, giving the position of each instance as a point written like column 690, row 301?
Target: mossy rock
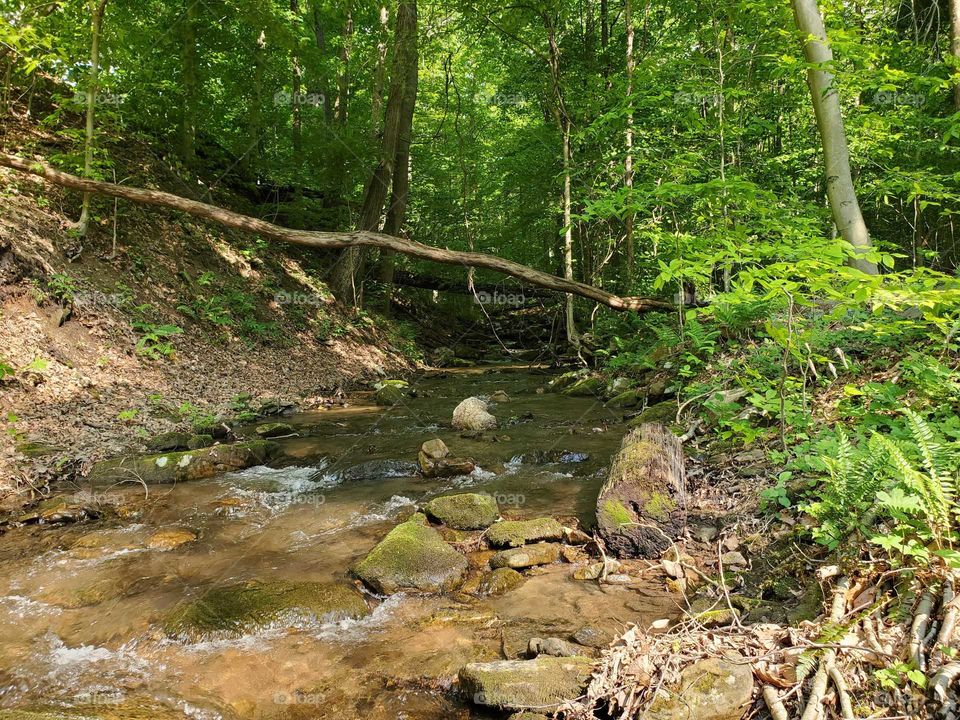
column 541, row 683
column 566, row 380
column 500, row 581
column 467, row 511
column 514, row 533
column 664, row 413
column 183, row 466
column 33, row 449
column 199, row 441
column 275, row 430
column 169, row 442
column 526, row 556
column 412, row 557
column 388, row 395
column 233, row 610
column 710, row 689
column 626, row 399
column 588, row 387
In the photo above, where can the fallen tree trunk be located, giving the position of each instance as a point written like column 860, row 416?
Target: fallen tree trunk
column 433, row 282
column 323, row 240
column 641, row 508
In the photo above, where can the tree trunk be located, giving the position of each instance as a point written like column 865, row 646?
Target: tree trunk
column 562, row 119
column 188, row 77
column 96, row 22
column 316, row 22
column 628, row 164
column 341, row 107
column 836, row 155
column 379, row 74
column 955, row 44
column 400, row 191
column 296, row 121
column 333, row 240
column 255, row 119
column 342, row 281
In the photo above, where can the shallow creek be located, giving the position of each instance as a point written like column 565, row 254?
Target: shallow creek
column 80, row 619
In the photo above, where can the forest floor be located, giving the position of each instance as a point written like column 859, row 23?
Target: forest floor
column 154, row 321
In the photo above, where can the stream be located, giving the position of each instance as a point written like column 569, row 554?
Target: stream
column 81, row 606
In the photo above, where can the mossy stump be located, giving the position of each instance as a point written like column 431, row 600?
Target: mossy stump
column 641, row 508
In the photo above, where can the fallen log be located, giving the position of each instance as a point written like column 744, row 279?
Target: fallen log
column 641, row 508
column 324, row 240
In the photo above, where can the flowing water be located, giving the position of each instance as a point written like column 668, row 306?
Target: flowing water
column 81, row 606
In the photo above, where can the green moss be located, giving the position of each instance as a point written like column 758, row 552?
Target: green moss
column 664, row 413
column 588, row 387
column 466, row 511
column 659, row 506
column 412, row 556
column 540, row 683
column 235, row 609
column 514, row 533
column 614, row 513
column 183, row 466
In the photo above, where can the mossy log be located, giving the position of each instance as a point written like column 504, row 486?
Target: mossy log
column 641, row 508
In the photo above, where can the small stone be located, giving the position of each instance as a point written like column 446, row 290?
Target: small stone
column 275, row 430
column 618, row 579
column 592, row 637
column 465, row 511
column 544, row 682
column 513, row 533
column 733, row 559
column 555, row 647
column 500, row 581
column 705, row 533
column 661, row 624
column 435, row 449
column 499, row 397
column 572, row 536
column 472, row 415
column 170, row 539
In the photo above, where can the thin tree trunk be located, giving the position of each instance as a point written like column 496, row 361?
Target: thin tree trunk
column 379, row 74
column 342, row 276
column 296, row 121
column 316, row 22
column 96, row 23
column 836, row 155
column 341, row 107
column 255, row 118
column 400, row 191
column 332, row 240
column 188, row 70
column 562, row 118
column 628, row 164
column 955, row 44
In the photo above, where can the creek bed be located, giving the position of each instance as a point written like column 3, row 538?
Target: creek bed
column 82, row 607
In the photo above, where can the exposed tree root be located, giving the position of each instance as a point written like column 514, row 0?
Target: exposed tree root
column 918, row 629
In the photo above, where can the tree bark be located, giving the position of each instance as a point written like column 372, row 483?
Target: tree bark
column 379, row 74
column 342, row 276
column 319, row 35
column 333, row 240
column 296, row 121
column 188, row 78
column 955, row 44
column 400, row 190
column 836, row 155
column 562, row 118
column 255, row 120
column 628, row 163
column 342, row 105
column 96, row 23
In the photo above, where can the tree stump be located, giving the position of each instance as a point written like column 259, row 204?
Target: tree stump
column 641, row 508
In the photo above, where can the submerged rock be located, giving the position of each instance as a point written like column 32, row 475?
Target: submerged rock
column 542, row 683
column 472, row 414
column 170, row 539
column 641, row 507
column 236, row 609
column 412, row 557
column 182, row 466
column 376, row 469
column 500, row 581
column 513, row 533
column 526, row 556
column 467, row 511
column 275, row 430
column 499, row 396
column 710, row 689
column 588, row 387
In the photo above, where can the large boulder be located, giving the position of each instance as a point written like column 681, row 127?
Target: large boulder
column 472, row 414
column 467, row 511
column 390, row 392
column 184, row 466
column 233, row 610
column 541, row 683
column 641, row 508
column 514, row 533
column 412, row 557
column 711, row 689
